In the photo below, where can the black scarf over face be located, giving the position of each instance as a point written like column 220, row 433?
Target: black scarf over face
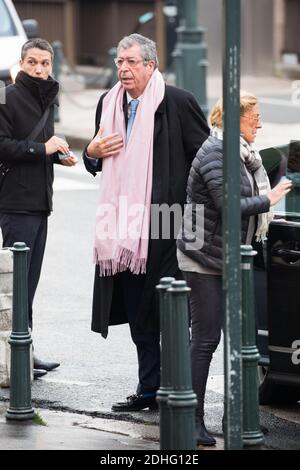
column 44, row 91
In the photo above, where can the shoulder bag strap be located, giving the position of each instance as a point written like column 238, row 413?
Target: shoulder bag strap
column 40, row 125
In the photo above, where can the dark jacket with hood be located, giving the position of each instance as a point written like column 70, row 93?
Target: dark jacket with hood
column 205, row 189
column 27, row 187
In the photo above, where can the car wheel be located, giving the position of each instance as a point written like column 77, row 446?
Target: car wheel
column 271, row 393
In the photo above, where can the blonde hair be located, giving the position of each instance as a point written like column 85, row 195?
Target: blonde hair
column 247, row 101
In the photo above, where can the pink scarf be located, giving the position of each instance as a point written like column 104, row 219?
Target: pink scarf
column 123, row 213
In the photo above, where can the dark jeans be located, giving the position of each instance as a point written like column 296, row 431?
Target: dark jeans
column 206, row 324
column 147, row 343
column 32, row 230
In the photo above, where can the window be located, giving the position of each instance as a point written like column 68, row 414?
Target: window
column 284, row 162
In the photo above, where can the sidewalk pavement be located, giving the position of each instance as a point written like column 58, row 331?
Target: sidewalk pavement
column 78, row 106
column 57, row 430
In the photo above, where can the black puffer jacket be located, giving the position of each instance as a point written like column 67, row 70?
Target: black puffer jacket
column 205, row 188
column 28, row 185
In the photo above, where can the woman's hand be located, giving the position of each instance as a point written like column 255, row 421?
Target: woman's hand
column 279, row 191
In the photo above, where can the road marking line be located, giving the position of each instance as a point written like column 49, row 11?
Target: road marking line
column 215, row 383
column 67, row 184
column 66, row 382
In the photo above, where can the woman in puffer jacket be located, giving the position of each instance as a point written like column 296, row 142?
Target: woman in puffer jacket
column 200, row 240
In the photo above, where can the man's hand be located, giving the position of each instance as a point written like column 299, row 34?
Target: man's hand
column 279, row 191
column 70, row 161
column 101, row 147
column 56, row 144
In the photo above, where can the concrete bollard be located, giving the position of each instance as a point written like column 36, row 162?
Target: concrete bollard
column 6, row 283
column 182, row 400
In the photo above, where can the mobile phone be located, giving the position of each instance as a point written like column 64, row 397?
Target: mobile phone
column 62, row 156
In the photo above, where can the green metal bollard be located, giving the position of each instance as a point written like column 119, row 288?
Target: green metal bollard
column 57, row 64
column 165, row 363
column 182, row 400
column 20, row 340
column 252, row 434
column 112, row 55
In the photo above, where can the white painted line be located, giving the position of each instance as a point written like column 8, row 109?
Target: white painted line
column 67, row 184
column 66, row 382
column 79, row 169
column 215, row 383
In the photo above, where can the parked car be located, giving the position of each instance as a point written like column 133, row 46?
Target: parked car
column 13, row 34
column 277, row 285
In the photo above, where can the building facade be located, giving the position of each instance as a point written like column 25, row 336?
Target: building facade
column 89, row 28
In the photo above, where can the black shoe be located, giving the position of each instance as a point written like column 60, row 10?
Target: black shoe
column 37, row 373
column 136, row 403
column 203, row 437
column 39, row 364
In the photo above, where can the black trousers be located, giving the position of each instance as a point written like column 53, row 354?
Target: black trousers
column 206, row 324
column 32, row 230
column 147, row 343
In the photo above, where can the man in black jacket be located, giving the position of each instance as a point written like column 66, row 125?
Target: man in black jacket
column 179, row 129
column 26, row 192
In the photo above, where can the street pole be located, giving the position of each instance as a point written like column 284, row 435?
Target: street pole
column 190, row 53
column 252, row 435
column 57, row 66
column 232, row 226
column 114, row 76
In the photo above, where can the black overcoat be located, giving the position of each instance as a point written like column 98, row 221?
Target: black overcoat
column 28, row 186
column 180, row 129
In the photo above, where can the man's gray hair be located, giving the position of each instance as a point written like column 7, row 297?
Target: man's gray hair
column 39, row 44
column 148, row 47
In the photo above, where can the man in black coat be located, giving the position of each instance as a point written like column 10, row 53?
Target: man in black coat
column 180, row 128
column 28, row 149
